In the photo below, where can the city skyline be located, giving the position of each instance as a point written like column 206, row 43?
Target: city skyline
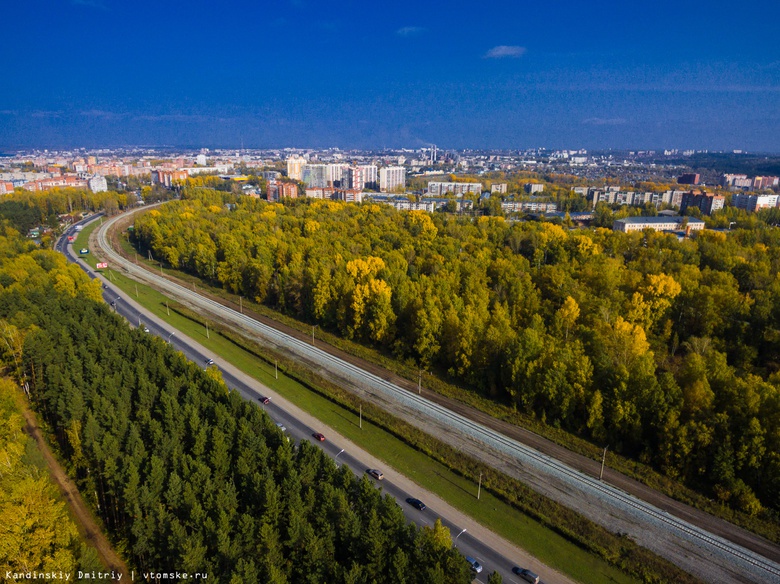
column 99, row 73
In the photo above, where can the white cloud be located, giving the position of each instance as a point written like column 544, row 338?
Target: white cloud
column 410, row 30
column 502, row 51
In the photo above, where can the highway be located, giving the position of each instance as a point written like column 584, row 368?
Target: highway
column 696, row 550
column 299, row 426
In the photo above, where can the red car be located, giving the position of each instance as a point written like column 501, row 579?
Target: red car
column 319, row 436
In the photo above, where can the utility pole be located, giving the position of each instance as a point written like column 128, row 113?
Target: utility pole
column 312, row 334
column 207, row 331
column 276, row 368
column 419, row 383
column 603, row 460
column 479, row 488
column 136, row 290
column 241, row 304
column 361, row 416
column 168, row 310
column 161, row 272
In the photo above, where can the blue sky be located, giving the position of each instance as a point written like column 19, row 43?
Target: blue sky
column 305, row 73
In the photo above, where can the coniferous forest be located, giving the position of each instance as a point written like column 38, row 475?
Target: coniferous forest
column 666, row 350
column 185, row 475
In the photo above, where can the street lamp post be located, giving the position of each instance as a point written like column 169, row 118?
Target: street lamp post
column 457, row 536
column 169, row 337
column 336, row 457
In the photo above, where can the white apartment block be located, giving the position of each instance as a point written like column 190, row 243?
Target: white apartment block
column 436, row 189
column 97, row 184
column 754, row 202
column 391, row 178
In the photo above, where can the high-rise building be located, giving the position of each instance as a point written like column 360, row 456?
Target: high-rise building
column 295, row 167
column 391, row 178
column 315, row 175
column 334, row 174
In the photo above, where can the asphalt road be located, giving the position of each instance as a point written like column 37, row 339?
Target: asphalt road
column 343, row 452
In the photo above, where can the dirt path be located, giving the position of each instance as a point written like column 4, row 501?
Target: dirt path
column 87, row 526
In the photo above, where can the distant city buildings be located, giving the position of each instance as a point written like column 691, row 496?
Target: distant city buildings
column 743, row 182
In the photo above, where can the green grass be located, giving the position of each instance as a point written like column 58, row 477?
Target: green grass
column 544, row 543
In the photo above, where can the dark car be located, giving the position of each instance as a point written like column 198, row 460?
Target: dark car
column 416, row 503
column 319, row 436
column 265, row 400
column 526, row 575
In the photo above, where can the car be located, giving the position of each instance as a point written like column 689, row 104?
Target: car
column 105, row 286
column 264, row 400
column 113, row 303
column 319, row 436
column 145, row 328
column 416, row 503
column 475, row 565
column 526, row 575
column 209, row 361
column 376, row 473
column 281, row 427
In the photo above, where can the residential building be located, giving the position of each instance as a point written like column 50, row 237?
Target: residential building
column 532, row 188
column 689, row 178
column 528, row 207
column 754, row 202
column 436, row 189
column 499, row 188
column 168, row 178
column 316, row 175
column 391, row 178
column 349, row 195
column 97, row 184
column 320, row 193
column 295, row 167
column 706, row 202
column 281, row 190
column 658, row 223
